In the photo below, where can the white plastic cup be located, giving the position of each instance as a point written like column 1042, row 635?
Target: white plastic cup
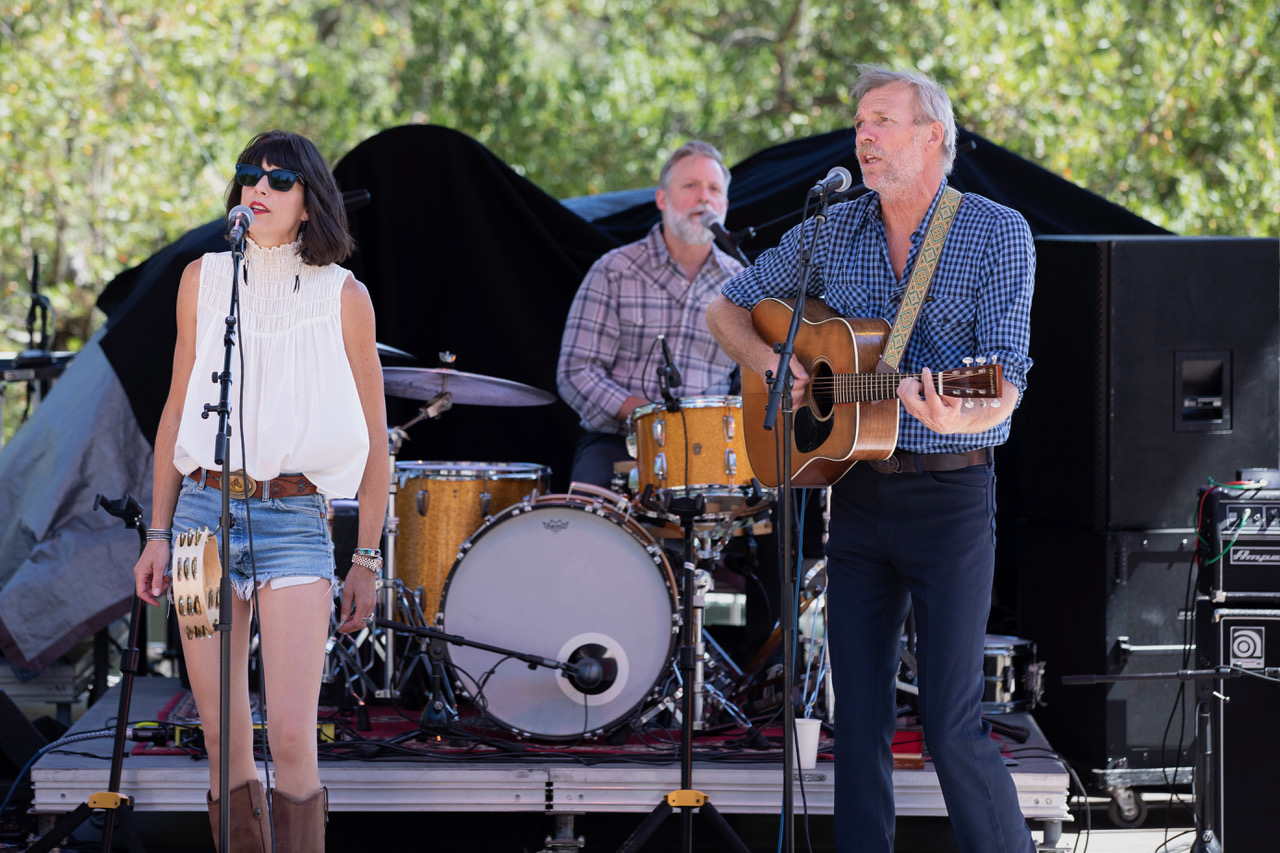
column 807, row 732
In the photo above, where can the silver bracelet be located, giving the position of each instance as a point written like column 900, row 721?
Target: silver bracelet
column 159, row 534
column 373, row 564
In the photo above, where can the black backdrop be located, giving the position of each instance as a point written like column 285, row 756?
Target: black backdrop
column 460, row 253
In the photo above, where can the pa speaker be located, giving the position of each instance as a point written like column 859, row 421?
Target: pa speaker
column 1157, row 365
column 1111, row 604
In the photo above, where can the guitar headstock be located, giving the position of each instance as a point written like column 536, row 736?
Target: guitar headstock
column 975, row 380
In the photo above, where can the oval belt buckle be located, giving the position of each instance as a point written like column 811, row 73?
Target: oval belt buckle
column 242, row 485
column 892, row 465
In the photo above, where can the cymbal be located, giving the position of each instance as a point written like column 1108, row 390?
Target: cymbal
column 468, row 389
column 387, row 349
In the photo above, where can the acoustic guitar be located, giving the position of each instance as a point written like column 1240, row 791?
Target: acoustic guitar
column 851, row 409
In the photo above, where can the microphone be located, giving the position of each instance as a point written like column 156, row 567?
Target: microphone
column 837, row 180
column 239, row 220
column 674, row 380
column 711, row 221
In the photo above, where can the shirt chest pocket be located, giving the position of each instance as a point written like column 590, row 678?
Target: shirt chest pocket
column 950, row 317
column 632, row 331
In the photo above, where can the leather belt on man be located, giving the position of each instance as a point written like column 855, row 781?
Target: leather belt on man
column 243, row 486
column 902, row 462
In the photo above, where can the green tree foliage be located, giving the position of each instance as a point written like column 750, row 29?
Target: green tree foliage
column 119, row 119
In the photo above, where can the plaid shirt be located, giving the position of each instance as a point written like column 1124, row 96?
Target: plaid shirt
column 610, row 348
column 979, row 302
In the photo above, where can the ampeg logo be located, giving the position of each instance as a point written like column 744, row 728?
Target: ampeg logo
column 1247, row 647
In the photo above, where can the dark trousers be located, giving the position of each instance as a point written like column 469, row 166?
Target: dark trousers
column 928, row 541
column 594, row 456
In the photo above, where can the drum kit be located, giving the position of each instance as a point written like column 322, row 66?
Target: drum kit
column 557, row 616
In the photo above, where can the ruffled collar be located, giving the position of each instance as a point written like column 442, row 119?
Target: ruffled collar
column 276, row 265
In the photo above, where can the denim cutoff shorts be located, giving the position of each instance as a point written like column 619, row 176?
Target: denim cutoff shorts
column 290, row 535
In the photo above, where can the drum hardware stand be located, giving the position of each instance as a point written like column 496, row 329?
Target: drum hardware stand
column 1205, row 783
column 132, row 662
column 690, row 670
column 396, row 437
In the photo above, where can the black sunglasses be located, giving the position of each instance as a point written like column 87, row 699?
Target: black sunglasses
column 248, row 175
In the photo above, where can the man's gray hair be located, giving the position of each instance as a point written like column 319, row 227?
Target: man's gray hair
column 932, row 102
column 692, row 148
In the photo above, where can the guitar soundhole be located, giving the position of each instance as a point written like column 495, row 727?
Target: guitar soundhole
column 810, row 432
column 813, row 422
column 822, row 389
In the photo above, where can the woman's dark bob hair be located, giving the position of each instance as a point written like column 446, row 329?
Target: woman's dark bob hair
column 325, row 239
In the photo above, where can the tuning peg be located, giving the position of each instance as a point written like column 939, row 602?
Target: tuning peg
column 966, row 361
column 968, row 404
column 995, row 404
column 981, row 360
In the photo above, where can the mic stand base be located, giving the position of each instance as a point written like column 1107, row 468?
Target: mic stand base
column 686, row 799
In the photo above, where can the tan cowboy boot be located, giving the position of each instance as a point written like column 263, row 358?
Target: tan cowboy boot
column 299, row 824
column 250, row 830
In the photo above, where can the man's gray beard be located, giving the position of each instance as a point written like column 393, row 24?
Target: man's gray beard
column 689, row 232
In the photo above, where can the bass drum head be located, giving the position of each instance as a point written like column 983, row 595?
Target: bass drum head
column 562, row 579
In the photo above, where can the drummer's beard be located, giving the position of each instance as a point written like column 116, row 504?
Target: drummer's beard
column 685, row 229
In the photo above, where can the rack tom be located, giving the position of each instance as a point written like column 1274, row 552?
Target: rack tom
column 698, row 450
column 441, row 504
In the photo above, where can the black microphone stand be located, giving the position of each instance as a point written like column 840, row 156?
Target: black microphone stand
column 780, row 382
column 225, row 593
column 132, row 663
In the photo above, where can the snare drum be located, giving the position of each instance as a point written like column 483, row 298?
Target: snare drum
column 1012, row 678
column 564, row 577
column 440, row 504
column 699, row 450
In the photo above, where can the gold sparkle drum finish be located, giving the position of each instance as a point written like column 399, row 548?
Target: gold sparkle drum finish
column 440, row 504
column 699, row 450
column 564, row 577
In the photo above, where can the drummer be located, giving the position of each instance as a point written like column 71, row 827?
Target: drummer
column 660, row 285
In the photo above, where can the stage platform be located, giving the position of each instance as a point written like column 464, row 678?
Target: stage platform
column 504, row 783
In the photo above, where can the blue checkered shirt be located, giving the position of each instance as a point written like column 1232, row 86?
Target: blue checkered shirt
column 979, row 302
column 610, row 349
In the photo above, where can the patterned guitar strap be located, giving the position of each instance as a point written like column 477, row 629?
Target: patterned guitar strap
column 921, row 276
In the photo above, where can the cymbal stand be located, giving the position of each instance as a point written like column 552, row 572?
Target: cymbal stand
column 689, row 663
column 386, row 589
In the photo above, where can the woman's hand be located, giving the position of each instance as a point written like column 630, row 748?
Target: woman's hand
column 357, row 599
column 148, row 573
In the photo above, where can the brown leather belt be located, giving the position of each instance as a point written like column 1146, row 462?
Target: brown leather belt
column 902, row 462
column 243, row 486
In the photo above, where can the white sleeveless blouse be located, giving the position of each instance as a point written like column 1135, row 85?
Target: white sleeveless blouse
column 302, row 413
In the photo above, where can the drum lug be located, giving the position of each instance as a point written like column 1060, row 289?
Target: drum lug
column 660, row 432
column 731, row 463
column 485, row 498
column 730, row 427
column 423, row 501
column 660, row 467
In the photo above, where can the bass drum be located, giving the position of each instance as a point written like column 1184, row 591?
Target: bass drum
column 564, row 577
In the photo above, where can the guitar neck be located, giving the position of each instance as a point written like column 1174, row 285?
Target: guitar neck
column 868, row 387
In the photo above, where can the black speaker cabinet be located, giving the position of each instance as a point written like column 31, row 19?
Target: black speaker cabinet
column 1245, row 737
column 1110, row 604
column 1156, row 367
